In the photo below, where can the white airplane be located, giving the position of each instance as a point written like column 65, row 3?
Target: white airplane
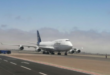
column 50, row 47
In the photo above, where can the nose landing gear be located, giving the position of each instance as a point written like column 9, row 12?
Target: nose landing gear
column 65, row 53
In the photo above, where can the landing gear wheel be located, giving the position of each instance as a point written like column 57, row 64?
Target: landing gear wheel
column 52, row 53
column 8, row 52
column 65, row 53
column 44, row 52
column 59, row 53
column 47, row 53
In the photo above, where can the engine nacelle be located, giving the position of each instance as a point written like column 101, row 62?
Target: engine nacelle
column 38, row 50
column 71, row 51
column 78, row 51
column 21, row 48
column 74, row 51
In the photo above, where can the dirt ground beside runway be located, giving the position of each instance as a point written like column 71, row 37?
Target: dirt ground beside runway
column 99, row 56
column 98, row 66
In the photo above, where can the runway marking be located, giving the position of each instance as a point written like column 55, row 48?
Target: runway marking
column 13, row 63
column 26, row 67
column 42, row 73
column 25, row 62
column 6, row 60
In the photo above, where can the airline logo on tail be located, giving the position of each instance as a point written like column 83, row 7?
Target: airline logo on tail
column 38, row 38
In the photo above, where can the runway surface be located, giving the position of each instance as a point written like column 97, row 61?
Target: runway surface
column 12, row 66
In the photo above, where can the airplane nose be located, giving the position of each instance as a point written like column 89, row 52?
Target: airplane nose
column 70, row 45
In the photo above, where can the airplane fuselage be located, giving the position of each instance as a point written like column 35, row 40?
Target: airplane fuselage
column 57, row 45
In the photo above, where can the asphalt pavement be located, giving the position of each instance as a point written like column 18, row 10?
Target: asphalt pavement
column 12, row 66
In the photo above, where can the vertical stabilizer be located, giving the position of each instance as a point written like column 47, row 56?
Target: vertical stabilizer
column 38, row 38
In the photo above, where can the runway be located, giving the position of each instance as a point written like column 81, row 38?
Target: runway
column 12, row 66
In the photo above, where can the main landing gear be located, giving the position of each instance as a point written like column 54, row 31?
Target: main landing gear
column 65, row 53
column 52, row 53
column 44, row 52
column 59, row 53
column 47, row 52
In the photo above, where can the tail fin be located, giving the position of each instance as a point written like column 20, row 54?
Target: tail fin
column 38, row 38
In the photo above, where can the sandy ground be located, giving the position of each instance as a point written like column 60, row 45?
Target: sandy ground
column 79, row 54
column 98, row 66
column 99, row 56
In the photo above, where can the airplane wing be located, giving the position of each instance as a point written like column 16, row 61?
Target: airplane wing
column 9, row 44
column 29, row 46
column 34, row 46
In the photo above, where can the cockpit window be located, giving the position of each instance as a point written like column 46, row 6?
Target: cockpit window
column 67, row 40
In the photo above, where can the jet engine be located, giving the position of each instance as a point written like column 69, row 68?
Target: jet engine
column 78, row 51
column 38, row 49
column 21, row 47
column 72, row 51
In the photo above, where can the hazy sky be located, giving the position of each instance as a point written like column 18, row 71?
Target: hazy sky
column 61, row 14
column 85, row 22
